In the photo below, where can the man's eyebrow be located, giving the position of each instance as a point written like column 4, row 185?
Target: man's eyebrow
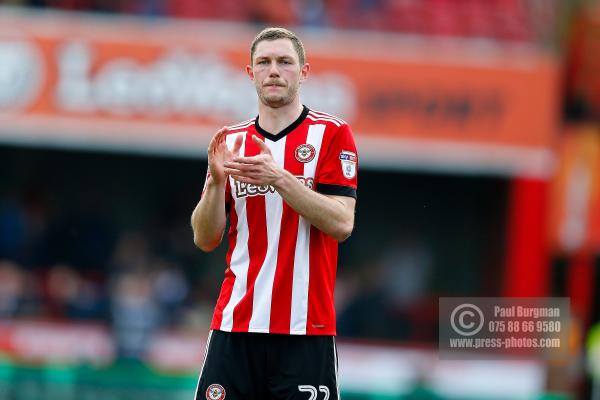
column 277, row 57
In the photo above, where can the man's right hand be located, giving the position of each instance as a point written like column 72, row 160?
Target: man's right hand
column 218, row 154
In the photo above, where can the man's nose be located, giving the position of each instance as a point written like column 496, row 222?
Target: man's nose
column 273, row 70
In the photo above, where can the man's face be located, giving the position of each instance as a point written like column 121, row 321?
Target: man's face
column 276, row 72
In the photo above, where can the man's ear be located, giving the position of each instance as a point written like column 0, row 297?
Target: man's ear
column 250, row 72
column 304, row 72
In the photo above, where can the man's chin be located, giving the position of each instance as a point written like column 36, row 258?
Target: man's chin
column 275, row 101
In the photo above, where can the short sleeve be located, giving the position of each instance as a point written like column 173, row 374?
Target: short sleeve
column 338, row 167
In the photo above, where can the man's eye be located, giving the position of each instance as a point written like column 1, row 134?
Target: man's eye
column 262, row 62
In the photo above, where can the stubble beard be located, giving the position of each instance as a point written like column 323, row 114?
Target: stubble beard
column 276, row 101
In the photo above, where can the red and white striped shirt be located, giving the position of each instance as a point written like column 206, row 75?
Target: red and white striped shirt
column 281, row 270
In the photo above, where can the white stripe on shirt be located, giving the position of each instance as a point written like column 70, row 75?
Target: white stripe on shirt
column 319, row 118
column 263, row 286
column 240, row 259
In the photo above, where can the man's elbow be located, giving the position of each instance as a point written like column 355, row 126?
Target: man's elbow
column 205, row 245
column 343, row 232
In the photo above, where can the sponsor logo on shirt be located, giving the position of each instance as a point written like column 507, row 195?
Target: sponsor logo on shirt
column 347, row 156
column 348, row 160
column 247, row 189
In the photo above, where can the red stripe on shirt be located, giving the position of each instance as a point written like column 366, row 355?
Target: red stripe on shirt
column 323, row 260
column 227, row 286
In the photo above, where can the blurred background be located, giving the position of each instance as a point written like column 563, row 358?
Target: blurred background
column 478, row 128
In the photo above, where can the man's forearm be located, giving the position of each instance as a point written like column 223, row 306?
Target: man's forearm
column 208, row 218
column 329, row 215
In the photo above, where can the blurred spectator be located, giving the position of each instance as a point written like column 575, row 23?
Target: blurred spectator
column 170, row 289
column 407, row 268
column 273, row 12
column 151, row 8
column 365, row 14
column 364, row 314
column 132, row 253
column 311, row 12
column 390, row 296
column 71, row 297
column 81, row 237
column 12, row 289
column 197, row 313
column 135, row 314
column 407, row 271
column 13, row 229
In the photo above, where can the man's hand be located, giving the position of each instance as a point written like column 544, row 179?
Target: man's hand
column 219, row 154
column 333, row 215
column 258, row 170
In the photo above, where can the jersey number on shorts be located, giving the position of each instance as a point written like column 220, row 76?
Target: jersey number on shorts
column 313, row 391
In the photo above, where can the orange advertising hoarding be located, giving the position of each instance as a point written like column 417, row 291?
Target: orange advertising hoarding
column 128, row 83
column 575, row 192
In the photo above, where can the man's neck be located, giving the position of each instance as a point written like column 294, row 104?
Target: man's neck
column 274, row 120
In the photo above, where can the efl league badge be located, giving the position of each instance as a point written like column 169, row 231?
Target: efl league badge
column 348, row 160
column 215, row 392
column 305, row 153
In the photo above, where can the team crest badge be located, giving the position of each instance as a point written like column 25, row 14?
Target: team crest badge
column 305, row 153
column 215, row 392
column 348, row 160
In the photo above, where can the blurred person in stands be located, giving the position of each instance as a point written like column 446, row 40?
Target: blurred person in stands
column 407, row 273
column 273, row 12
column 135, row 310
column 287, row 179
column 131, row 253
column 23, row 225
column 12, row 289
column 363, row 315
column 170, row 289
column 72, row 297
column 13, row 229
column 19, row 291
column 135, row 313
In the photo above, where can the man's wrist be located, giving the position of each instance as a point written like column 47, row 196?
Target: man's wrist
column 214, row 184
column 281, row 179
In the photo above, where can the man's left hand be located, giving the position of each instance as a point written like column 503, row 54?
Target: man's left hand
column 259, row 170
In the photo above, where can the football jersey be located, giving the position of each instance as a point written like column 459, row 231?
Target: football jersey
column 281, row 270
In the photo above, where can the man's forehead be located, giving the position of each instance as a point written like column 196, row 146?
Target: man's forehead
column 277, row 47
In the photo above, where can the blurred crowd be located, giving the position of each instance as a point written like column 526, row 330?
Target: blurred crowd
column 77, row 266
column 515, row 20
